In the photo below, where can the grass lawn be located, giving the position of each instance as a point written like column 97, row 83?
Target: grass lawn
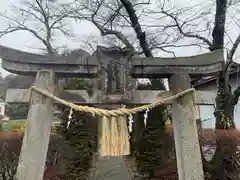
column 8, row 126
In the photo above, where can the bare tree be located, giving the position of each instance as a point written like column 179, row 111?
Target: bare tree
column 210, row 36
column 44, row 19
column 115, row 24
column 218, row 33
column 104, row 14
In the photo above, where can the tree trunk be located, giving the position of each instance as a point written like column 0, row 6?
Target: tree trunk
column 224, row 104
column 225, row 101
column 224, row 115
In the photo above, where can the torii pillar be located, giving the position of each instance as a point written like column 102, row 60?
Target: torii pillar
column 189, row 161
column 178, row 71
column 36, row 137
column 46, row 70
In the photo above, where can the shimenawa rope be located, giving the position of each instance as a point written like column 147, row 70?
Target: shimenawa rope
column 114, row 112
column 114, row 135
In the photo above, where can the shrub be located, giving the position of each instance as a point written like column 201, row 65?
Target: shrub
column 155, row 146
column 223, row 153
column 10, row 145
column 21, row 125
column 81, row 136
column 227, row 142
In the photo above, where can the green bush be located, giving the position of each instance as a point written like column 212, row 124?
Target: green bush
column 20, row 125
column 152, row 150
column 81, row 136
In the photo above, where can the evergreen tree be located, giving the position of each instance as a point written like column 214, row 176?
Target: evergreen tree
column 81, row 137
column 152, row 151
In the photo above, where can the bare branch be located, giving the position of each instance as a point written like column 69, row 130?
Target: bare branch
column 103, row 30
column 179, row 27
column 20, row 27
column 137, row 27
column 118, row 34
column 231, row 54
column 48, row 18
column 234, row 47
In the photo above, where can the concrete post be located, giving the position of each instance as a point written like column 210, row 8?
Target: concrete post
column 37, row 134
column 189, row 162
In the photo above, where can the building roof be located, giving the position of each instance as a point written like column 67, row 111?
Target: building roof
column 235, row 69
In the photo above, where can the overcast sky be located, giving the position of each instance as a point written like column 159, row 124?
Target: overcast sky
column 26, row 42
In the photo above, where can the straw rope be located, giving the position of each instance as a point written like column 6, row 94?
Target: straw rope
column 114, row 112
column 114, row 134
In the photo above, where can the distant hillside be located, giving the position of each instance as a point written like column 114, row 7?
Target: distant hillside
column 14, row 81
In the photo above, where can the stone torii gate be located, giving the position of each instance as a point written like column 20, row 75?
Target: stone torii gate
column 109, row 63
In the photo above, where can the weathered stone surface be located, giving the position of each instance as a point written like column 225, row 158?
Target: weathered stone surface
column 189, row 162
column 24, row 63
column 36, row 137
column 99, row 97
column 196, row 66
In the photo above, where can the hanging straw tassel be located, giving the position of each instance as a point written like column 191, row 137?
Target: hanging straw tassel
column 124, row 136
column 104, row 136
column 114, row 140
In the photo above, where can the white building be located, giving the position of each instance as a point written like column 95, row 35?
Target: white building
column 2, row 110
column 210, row 84
column 2, row 107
